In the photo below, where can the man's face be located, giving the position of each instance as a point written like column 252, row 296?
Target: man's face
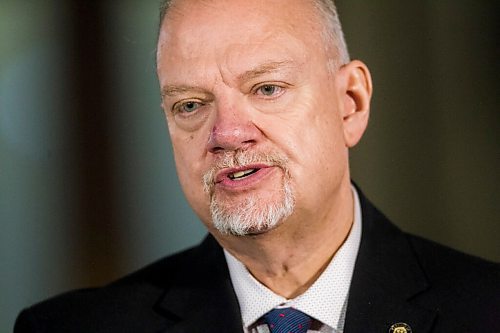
column 253, row 113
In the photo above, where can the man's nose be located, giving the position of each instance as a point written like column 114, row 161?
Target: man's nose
column 232, row 130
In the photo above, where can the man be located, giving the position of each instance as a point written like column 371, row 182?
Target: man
column 262, row 105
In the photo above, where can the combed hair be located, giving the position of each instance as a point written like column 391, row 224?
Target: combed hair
column 332, row 34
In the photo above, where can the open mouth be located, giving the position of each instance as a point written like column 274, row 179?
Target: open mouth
column 243, row 177
column 242, row 174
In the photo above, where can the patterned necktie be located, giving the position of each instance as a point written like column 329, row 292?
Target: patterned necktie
column 287, row 320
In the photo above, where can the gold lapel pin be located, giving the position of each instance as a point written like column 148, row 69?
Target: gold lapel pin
column 400, row 328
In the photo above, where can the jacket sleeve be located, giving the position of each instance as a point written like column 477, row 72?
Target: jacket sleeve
column 25, row 323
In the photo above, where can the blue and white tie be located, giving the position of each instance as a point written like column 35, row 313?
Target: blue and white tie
column 287, row 320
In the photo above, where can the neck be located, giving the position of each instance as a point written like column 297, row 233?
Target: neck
column 289, row 258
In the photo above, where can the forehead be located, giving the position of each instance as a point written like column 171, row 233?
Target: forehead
column 236, row 30
column 243, row 13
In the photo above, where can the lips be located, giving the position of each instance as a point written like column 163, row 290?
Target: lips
column 242, row 177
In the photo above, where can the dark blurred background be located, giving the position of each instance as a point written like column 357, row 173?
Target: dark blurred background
column 88, row 189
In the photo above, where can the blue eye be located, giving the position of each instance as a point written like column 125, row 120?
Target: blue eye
column 268, row 90
column 189, row 107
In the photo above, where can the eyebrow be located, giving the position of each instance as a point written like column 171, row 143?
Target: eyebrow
column 265, row 68
column 172, row 90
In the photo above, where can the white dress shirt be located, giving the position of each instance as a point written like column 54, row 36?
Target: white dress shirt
column 325, row 301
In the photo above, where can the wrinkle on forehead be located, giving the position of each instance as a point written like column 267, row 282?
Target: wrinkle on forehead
column 265, row 68
column 272, row 54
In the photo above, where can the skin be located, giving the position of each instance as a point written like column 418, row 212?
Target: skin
column 257, row 74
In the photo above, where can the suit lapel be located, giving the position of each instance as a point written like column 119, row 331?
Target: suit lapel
column 386, row 280
column 202, row 298
column 384, row 289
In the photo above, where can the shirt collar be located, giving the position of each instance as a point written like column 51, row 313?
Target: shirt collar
column 325, row 300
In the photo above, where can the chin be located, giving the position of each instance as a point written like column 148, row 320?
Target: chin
column 252, row 217
column 256, row 232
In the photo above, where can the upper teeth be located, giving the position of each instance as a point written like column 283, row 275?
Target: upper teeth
column 240, row 174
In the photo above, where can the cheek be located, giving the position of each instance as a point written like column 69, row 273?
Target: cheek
column 189, row 158
column 190, row 172
column 328, row 145
column 312, row 130
column 313, row 142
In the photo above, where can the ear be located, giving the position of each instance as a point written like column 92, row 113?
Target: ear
column 355, row 105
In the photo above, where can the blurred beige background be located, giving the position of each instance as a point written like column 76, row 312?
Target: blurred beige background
column 88, row 189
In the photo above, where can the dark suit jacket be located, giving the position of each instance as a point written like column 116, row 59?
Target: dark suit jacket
column 397, row 278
